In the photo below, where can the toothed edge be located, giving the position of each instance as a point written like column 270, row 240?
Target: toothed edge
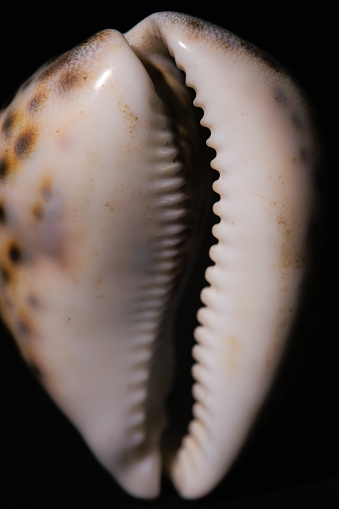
column 254, row 290
column 149, row 322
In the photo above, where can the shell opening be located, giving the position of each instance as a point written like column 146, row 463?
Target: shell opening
column 190, row 137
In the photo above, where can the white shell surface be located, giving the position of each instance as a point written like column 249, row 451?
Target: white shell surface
column 91, row 224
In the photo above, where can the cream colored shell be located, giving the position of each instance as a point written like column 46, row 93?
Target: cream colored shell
column 95, row 232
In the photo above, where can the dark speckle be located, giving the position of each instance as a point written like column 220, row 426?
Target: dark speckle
column 25, row 143
column 15, row 254
column 36, row 102
column 68, row 80
column 46, row 189
column 4, row 274
column 196, row 24
column 23, row 327
column 63, row 67
column 38, row 212
column 32, row 301
column 281, row 97
column 70, row 68
column 8, row 123
column 2, row 214
column 261, row 55
column 4, row 167
column 55, row 66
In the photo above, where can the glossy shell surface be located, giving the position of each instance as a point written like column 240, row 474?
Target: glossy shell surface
column 100, row 213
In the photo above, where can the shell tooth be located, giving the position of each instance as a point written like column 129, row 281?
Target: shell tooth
column 173, row 183
column 204, row 336
column 102, row 196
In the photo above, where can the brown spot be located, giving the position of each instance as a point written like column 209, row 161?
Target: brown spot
column 63, row 64
column 92, row 42
column 281, row 97
column 70, row 68
column 25, row 143
column 69, row 80
column 46, row 188
column 23, row 327
column 130, row 117
column 8, row 123
column 4, row 274
column 282, row 222
column 196, row 24
column 288, row 256
column 2, row 214
column 32, row 301
column 299, row 261
column 14, row 254
column 113, row 206
column 55, row 66
column 4, row 168
column 38, row 212
column 285, row 256
column 36, row 102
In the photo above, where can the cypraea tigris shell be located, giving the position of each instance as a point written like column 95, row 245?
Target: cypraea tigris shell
column 103, row 176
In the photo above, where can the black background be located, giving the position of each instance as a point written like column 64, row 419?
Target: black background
column 292, row 461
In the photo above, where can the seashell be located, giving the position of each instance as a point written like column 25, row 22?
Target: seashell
column 104, row 186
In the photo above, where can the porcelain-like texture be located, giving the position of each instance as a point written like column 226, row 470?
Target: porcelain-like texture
column 101, row 201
